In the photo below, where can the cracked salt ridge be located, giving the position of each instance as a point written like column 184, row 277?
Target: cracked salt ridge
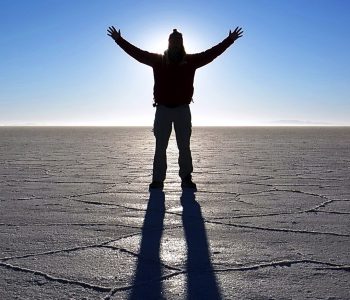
column 103, row 244
column 336, row 268
column 331, row 212
column 144, row 258
column 236, row 225
column 273, row 264
column 258, row 215
column 69, row 224
column 88, row 285
column 253, row 227
column 280, row 214
column 67, row 250
column 323, row 204
column 60, row 182
column 57, row 279
column 278, row 229
column 283, row 190
column 129, row 287
column 287, row 263
column 202, row 191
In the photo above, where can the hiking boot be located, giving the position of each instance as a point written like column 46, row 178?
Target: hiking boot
column 156, row 185
column 187, row 183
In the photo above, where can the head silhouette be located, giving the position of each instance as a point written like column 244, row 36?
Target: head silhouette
column 176, row 50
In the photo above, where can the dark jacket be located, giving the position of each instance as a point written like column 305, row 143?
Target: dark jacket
column 173, row 83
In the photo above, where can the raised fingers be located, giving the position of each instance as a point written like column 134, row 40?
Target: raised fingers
column 239, row 31
column 112, row 29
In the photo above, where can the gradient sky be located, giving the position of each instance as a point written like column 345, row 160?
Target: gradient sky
column 58, row 66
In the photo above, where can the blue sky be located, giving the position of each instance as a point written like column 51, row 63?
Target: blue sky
column 58, row 66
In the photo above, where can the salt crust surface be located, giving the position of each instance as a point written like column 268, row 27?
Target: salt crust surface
column 270, row 219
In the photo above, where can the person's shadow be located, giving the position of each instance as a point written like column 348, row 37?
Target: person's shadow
column 147, row 283
column 201, row 279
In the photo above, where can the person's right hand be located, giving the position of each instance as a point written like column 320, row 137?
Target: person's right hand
column 237, row 33
column 113, row 33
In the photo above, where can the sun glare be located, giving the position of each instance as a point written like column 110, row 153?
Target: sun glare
column 158, row 42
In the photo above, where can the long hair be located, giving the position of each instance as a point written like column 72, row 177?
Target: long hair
column 174, row 55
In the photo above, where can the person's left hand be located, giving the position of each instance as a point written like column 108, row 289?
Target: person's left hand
column 237, row 33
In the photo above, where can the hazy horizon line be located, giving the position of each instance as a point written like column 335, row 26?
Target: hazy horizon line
column 273, row 123
column 253, row 125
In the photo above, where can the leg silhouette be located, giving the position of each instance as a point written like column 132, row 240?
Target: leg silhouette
column 162, row 130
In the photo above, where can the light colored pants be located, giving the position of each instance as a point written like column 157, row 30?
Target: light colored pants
column 164, row 118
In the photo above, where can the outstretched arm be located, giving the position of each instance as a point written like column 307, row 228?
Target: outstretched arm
column 140, row 55
column 203, row 58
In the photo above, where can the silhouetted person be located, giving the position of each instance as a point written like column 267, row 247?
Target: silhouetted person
column 173, row 90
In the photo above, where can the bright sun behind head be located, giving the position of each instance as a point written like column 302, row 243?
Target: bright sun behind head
column 157, row 41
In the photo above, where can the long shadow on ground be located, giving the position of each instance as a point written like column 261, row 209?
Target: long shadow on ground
column 201, row 279
column 149, row 265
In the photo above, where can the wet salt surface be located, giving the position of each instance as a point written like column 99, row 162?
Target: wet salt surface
column 270, row 219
